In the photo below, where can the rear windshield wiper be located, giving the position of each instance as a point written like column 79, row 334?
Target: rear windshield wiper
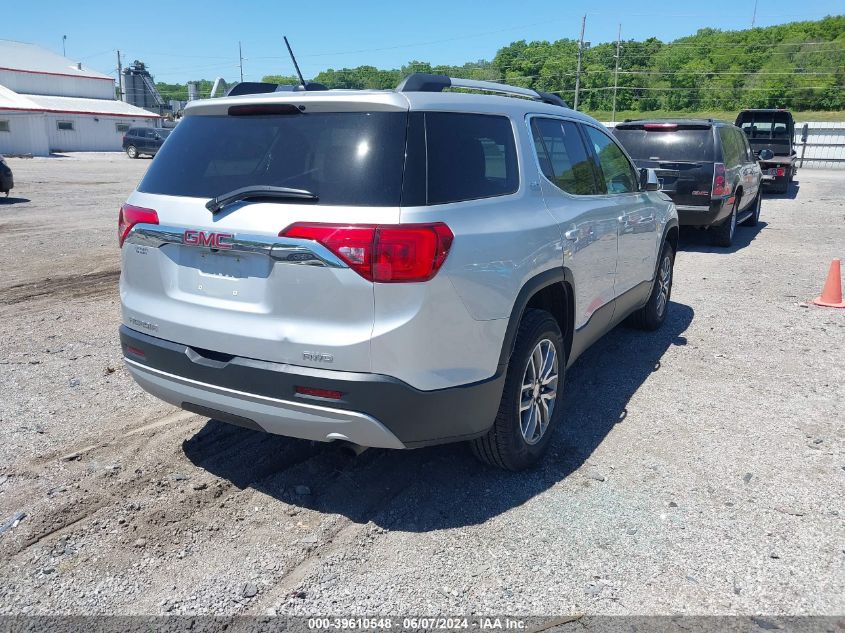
column 258, row 191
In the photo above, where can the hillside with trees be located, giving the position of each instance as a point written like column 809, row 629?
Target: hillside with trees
column 800, row 65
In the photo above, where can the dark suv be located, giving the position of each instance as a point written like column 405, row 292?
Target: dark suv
column 705, row 166
column 143, row 140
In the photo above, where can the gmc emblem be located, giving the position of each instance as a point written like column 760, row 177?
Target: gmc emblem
column 211, row 240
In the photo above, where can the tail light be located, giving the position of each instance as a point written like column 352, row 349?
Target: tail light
column 383, row 253
column 719, row 187
column 781, row 171
column 130, row 216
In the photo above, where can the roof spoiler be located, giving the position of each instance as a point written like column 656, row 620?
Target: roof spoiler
column 426, row 82
column 263, row 87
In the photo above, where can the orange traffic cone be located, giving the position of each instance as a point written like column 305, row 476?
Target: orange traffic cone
column 832, row 291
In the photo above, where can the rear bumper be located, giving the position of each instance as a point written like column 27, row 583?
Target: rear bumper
column 705, row 215
column 786, row 164
column 374, row 410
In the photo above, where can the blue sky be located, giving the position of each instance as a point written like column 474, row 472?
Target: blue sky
column 190, row 40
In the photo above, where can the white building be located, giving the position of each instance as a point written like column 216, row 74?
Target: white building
column 49, row 103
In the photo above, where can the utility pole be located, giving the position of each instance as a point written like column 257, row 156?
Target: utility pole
column 64, row 39
column 120, row 78
column 241, row 56
column 754, row 15
column 580, row 52
column 616, row 72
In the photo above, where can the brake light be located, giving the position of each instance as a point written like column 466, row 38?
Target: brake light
column 719, row 188
column 660, row 126
column 781, row 171
column 383, row 253
column 130, row 216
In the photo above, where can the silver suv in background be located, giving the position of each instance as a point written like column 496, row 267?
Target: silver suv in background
column 391, row 268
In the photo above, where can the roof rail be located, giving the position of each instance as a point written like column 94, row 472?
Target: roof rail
column 425, row 82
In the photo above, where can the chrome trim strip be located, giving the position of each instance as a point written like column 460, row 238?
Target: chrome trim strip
column 286, row 250
column 690, row 207
column 243, row 394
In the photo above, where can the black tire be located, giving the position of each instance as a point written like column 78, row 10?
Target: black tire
column 754, row 218
column 723, row 234
column 132, row 152
column 505, row 445
column 652, row 315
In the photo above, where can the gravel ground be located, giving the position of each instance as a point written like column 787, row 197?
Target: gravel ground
column 700, row 471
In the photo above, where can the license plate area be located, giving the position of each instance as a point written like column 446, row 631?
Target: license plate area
column 223, row 275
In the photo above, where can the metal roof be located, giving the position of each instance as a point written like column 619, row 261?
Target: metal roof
column 10, row 100
column 25, row 57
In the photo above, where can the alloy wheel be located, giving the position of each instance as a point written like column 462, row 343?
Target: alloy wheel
column 733, row 222
column 539, row 391
column 664, row 281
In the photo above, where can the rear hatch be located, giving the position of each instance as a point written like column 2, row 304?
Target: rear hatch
column 224, row 282
column 681, row 154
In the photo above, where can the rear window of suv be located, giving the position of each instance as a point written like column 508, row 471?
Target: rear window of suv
column 348, row 158
column 345, row 158
column 679, row 143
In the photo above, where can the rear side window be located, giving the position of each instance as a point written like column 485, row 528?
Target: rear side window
column 562, row 155
column 348, row 158
column 619, row 176
column 469, row 156
column 692, row 144
column 732, row 146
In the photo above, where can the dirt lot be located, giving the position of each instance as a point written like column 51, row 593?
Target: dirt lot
column 701, row 470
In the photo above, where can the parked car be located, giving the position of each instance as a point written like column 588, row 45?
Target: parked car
column 390, row 268
column 144, row 140
column 705, row 166
column 7, row 182
column 771, row 134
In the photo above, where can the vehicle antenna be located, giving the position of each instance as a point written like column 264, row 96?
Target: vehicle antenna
column 293, row 59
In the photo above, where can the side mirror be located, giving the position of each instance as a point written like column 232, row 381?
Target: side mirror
column 766, row 154
column 648, row 180
column 805, row 131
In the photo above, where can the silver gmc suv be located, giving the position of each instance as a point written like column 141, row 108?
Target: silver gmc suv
column 391, row 268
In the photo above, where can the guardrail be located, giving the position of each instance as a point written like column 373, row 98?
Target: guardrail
column 824, row 147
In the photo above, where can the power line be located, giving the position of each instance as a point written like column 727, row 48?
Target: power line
column 720, row 88
column 707, row 72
